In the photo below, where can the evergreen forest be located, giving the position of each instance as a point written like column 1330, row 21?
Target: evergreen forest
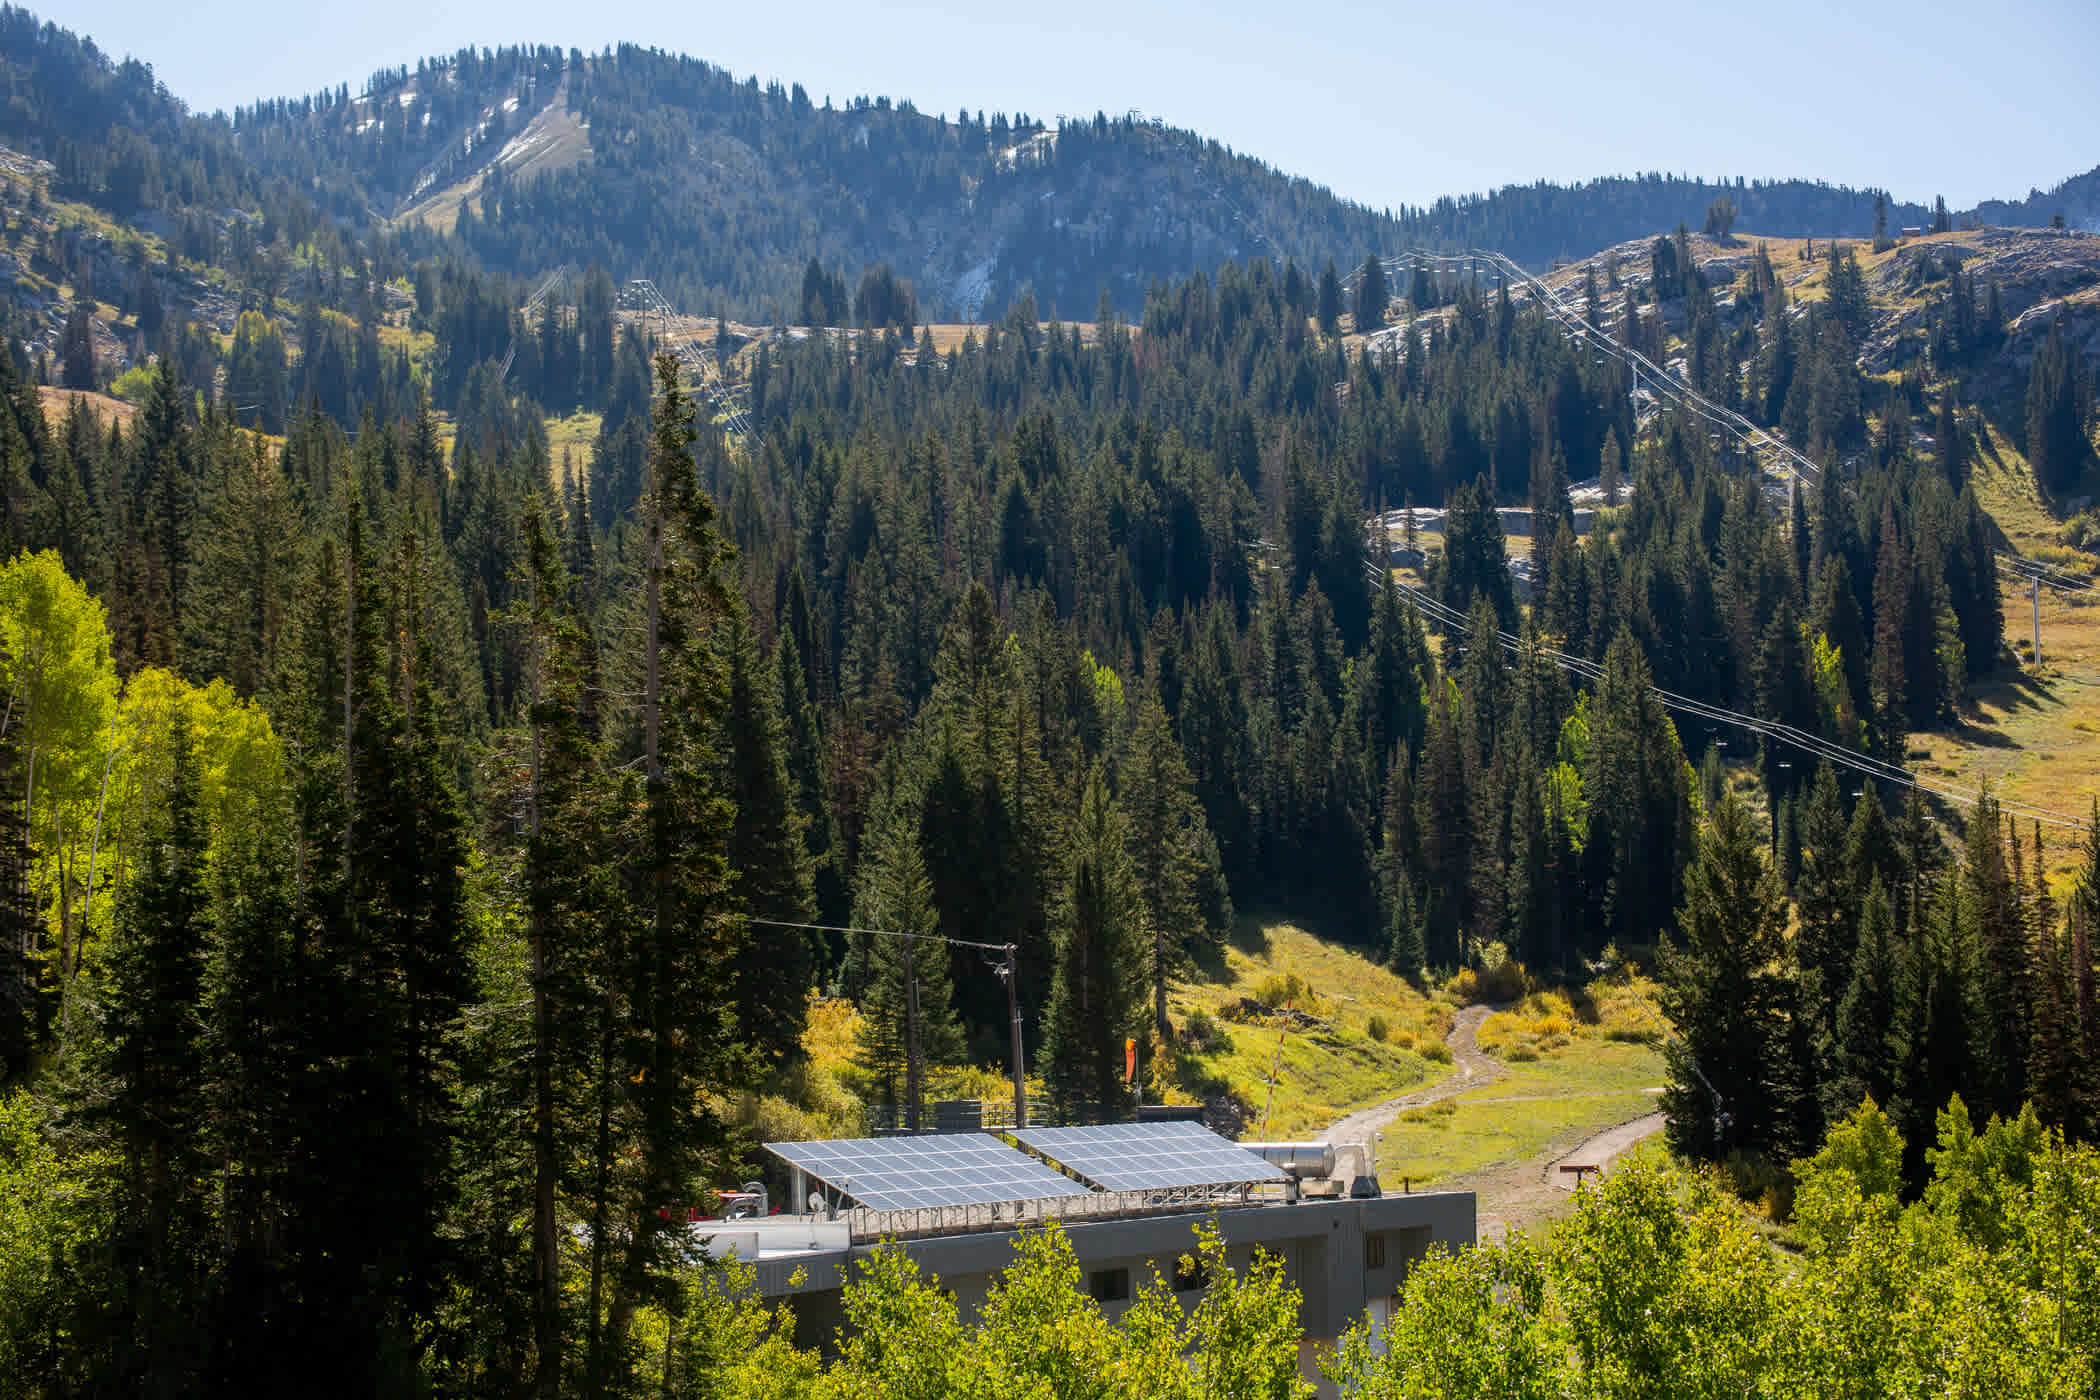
column 428, row 843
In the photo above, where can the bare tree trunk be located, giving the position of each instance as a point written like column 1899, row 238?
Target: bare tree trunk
column 87, row 911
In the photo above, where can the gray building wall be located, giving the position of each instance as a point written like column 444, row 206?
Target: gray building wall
column 1325, row 1245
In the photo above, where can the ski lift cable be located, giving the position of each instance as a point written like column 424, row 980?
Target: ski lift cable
column 1682, row 396
column 1813, row 744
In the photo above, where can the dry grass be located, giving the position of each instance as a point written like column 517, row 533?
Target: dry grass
column 576, row 435
column 1586, row 1088
column 1328, row 1060
column 58, row 402
column 418, row 346
column 2034, row 736
column 1549, row 1022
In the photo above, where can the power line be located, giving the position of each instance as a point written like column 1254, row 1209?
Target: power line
column 1009, row 969
column 704, row 367
column 1815, row 745
column 879, row 933
column 1667, row 386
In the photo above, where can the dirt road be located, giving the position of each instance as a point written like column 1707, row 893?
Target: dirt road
column 1471, row 1068
column 1522, row 1192
column 1527, row 1192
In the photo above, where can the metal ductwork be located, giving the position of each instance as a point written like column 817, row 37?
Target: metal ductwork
column 1303, row 1161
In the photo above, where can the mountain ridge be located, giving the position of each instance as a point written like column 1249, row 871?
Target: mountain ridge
column 724, row 191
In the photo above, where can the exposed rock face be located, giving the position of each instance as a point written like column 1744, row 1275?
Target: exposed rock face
column 2042, row 276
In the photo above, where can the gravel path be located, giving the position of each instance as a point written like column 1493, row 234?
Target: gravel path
column 1471, row 1068
column 1603, row 1149
column 1523, row 1193
column 1519, row 1192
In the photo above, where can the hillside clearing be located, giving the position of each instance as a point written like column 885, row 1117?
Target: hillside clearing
column 1329, row 1060
column 1571, row 1093
column 2033, row 735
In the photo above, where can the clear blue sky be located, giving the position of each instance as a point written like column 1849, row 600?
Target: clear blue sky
column 1386, row 103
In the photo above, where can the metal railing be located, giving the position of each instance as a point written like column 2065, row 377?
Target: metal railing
column 931, row 1222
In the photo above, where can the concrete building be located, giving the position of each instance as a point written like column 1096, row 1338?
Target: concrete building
column 1347, row 1255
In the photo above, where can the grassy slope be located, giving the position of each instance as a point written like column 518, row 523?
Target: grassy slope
column 1326, row 1070
column 57, row 402
column 576, row 435
column 2035, row 737
column 1585, row 1088
column 1570, row 1067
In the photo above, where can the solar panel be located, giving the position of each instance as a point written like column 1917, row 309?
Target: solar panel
column 912, row 1173
column 1148, row 1156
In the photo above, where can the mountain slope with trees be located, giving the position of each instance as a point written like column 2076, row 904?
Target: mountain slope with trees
column 723, row 190
column 424, row 853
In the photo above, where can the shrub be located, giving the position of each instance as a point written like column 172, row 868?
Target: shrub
column 1521, row 1054
column 1436, row 1053
column 1201, row 1035
column 1503, row 979
column 1286, row 989
column 133, row 384
column 1377, row 1029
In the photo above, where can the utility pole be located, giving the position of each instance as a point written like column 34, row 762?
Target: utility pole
column 1011, row 975
column 911, row 1034
column 2035, row 586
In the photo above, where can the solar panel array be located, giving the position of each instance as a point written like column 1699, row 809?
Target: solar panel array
column 1148, row 1156
column 913, row 1173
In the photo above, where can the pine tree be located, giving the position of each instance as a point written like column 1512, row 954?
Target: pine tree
column 1890, row 686
column 1723, row 993
column 1167, row 849
column 1938, row 1018
column 1096, row 995
column 1865, row 1048
column 2004, row 940
column 244, row 565
column 2083, row 913
column 675, row 1042
column 1475, row 562
column 1639, row 806
column 76, row 348
column 908, row 978
column 148, row 1080
column 2056, row 441
column 1372, row 296
column 1329, row 313
column 1845, row 293
column 572, row 941
column 804, row 755
column 1444, row 815
column 378, row 967
column 2057, row 1072
column 766, row 849
column 1826, row 899
column 1950, row 450
column 253, row 1079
